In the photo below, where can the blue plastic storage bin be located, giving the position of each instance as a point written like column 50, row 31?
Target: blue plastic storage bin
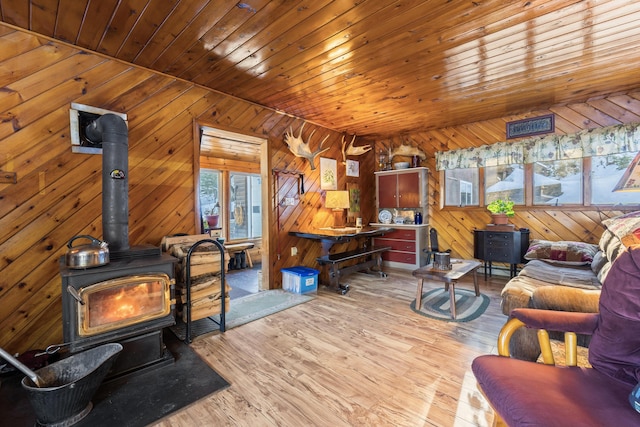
column 300, row 280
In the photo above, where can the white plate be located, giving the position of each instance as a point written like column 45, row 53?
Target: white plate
column 385, row 216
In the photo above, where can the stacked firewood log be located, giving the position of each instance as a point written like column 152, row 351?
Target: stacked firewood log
column 206, row 266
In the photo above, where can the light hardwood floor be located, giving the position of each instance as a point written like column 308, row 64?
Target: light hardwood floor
column 364, row 359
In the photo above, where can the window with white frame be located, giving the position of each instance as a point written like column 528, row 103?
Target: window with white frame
column 461, row 188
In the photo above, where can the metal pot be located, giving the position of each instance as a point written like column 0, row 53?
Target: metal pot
column 442, row 261
column 94, row 254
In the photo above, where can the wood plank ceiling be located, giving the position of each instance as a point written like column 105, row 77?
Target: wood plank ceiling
column 366, row 67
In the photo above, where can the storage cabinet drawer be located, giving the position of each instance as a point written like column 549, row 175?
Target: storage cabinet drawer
column 398, row 245
column 500, row 255
column 401, row 234
column 403, row 257
column 499, row 237
column 500, row 244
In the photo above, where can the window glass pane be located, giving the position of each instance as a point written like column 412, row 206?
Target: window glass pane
column 461, row 187
column 245, row 211
column 210, row 200
column 606, row 171
column 504, row 182
column 557, row 182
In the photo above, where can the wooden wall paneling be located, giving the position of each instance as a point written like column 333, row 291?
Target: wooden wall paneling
column 174, row 215
column 629, row 105
column 26, row 201
column 595, row 115
column 239, row 115
column 564, row 126
column 612, row 109
column 259, row 123
column 15, row 12
column 37, row 263
column 38, row 82
column 33, row 60
column 125, row 91
column 245, row 119
column 159, row 181
column 569, row 114
column 43, row 18
column 14, row 153
column 18, row 245
column 47, row 325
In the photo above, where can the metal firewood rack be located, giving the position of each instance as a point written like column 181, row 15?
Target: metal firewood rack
column 223, row 307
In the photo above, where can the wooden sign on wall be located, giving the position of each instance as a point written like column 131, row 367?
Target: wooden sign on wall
column 530, row 127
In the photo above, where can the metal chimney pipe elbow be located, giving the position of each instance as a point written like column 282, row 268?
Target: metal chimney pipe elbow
column 112, row 131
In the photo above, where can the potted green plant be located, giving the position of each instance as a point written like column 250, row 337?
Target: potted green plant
column 501, row 209
column 212, row 216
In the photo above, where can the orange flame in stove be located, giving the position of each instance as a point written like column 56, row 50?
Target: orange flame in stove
column 129, row 301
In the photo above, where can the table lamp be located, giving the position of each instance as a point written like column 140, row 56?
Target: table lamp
column 338, row 201
column 630, row 180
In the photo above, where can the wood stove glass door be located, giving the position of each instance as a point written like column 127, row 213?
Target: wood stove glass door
column 124, row 301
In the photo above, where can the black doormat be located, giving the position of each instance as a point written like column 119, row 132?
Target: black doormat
column 135, row 400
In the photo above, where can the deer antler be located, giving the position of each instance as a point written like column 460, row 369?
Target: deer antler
column 299, row 148
column 351, row 150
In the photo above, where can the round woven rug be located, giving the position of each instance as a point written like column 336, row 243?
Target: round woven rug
column 436, row 304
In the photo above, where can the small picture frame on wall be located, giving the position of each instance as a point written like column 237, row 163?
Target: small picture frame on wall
column 328, row 174
column 353, row 168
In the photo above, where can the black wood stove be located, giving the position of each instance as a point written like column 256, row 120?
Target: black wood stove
column 131, row 299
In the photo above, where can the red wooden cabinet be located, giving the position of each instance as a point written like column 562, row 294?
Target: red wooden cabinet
column 388, row 191
column 404, row 188
column 404, row 192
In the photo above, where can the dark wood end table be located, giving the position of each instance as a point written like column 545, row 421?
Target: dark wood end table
column 459, row 269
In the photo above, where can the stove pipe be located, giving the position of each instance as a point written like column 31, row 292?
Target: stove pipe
column 111, row 130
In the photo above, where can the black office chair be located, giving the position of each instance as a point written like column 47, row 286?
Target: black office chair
column 435, row 248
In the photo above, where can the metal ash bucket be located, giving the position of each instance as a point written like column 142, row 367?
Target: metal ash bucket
column 442, row 261
column 64, row 398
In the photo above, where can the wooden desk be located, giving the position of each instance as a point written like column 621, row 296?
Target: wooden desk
column 366, row 255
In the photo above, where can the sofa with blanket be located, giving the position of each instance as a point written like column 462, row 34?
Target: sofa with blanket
column 566, row 276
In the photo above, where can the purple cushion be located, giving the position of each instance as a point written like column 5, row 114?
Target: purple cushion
column 615, row 344
column 527, row 394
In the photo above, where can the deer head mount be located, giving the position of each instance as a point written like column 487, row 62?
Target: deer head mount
column 299, row 148
column 351, row 150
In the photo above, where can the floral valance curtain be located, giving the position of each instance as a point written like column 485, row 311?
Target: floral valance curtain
column 587, row 143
